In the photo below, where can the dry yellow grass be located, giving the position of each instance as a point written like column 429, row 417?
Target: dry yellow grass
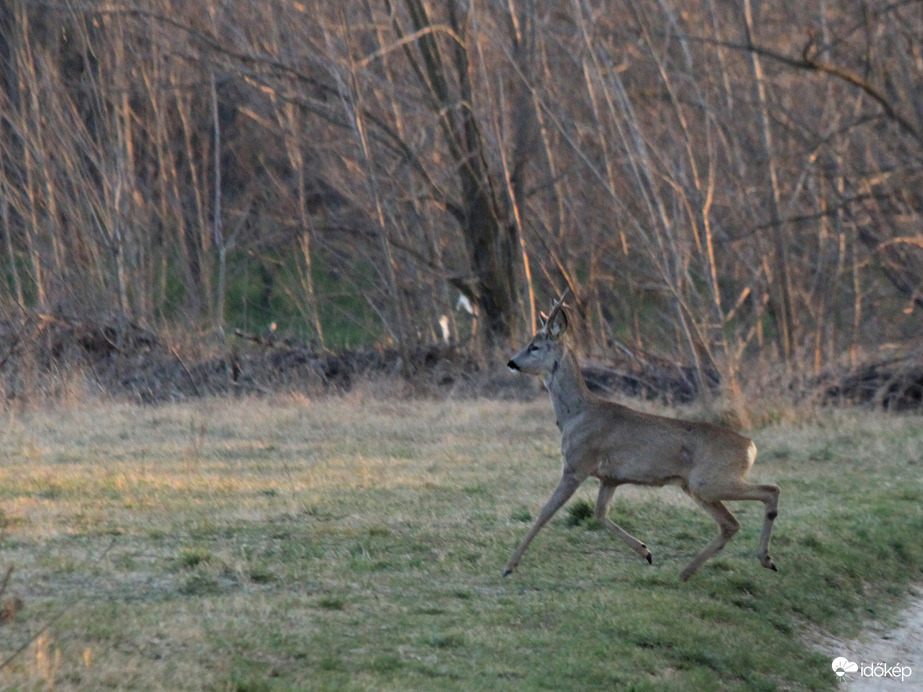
column 357, row 543
column 107, row 502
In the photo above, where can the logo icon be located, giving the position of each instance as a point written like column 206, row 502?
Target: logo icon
column 842, row 666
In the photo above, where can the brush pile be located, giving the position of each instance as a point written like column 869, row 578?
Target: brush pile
column 49, row 357
column 893, row 384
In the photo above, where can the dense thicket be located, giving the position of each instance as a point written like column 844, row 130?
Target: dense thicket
column 723, row 183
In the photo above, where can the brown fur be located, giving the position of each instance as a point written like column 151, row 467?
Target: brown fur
column 619, row 445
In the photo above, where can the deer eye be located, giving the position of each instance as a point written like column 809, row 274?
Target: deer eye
column 532, row 348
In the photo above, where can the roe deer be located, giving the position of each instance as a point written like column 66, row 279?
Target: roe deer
column 619, row 445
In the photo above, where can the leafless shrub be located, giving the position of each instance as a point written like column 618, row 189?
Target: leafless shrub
column 714, row 184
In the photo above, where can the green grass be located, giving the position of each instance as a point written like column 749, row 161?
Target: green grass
column 353, row 544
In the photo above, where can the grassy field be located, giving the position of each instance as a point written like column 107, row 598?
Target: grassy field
column 351, row 544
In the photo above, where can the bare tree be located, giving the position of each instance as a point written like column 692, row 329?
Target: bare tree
column 721, row 190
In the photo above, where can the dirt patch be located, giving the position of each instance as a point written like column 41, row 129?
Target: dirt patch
column 884, row 654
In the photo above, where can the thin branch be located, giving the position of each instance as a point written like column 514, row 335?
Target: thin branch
column 409, row 38
column 809, row 61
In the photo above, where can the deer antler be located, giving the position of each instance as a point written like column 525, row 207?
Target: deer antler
column 556, row 306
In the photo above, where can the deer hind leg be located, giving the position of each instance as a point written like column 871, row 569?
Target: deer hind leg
column 768, row 495
column 606, row 490
column 727, row 527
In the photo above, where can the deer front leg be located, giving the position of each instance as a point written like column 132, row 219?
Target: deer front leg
column 606, row 491
column 568, row 485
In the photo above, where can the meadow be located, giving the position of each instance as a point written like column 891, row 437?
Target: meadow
column 357, row 543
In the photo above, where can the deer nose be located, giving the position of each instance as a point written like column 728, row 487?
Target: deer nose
column 512, row 365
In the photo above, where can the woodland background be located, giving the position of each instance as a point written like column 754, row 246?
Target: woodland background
column 733, row 186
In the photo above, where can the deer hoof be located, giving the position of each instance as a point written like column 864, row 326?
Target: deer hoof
column 768, row 563
column 507, row 572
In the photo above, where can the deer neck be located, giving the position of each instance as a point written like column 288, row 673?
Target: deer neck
column 569, row 393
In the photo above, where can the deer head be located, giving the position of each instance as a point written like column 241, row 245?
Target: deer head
column 544, row 350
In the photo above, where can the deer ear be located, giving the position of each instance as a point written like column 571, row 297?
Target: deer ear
column 558, row 324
